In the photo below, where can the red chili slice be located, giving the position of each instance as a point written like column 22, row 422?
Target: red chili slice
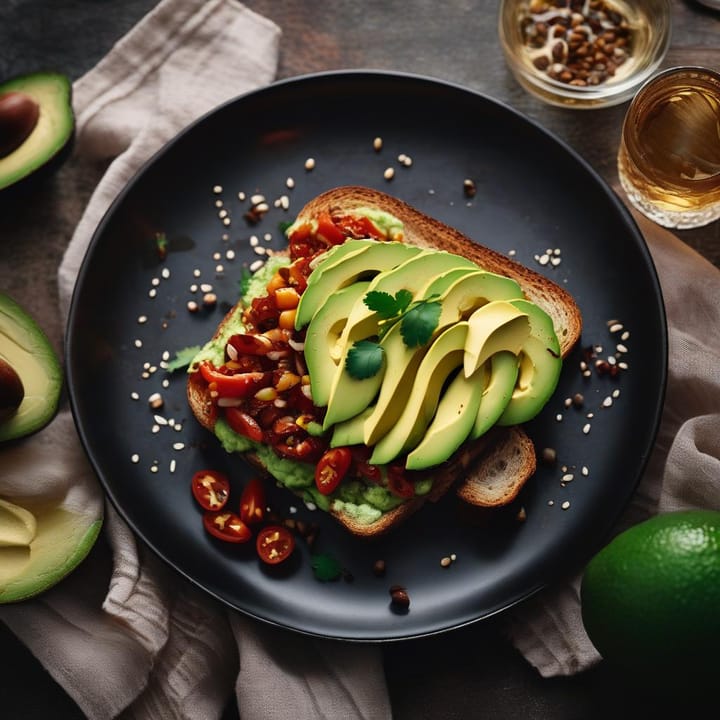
column 252, row 502
column 210, row 489
column 275, row 544
column 226, row 526
column 332, row 468
column 235, row 386
column 243, row 424
column 328, row 231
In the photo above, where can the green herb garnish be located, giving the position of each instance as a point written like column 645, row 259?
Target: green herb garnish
column 325, row 567
column 244, row 282
column 182, row 358
column 364, row 359
column 161, row 245
column 418, row 321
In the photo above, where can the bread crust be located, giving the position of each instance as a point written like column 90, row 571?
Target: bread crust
column 490, row 471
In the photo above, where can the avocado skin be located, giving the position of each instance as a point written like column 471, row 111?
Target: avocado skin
column 32, row 163
column 24, row 345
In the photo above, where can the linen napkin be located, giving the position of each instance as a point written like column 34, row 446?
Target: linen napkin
column 683, row 470
column 123, row 635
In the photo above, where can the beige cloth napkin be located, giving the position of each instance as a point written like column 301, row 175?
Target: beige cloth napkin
column 683, row 470
column 123, row 634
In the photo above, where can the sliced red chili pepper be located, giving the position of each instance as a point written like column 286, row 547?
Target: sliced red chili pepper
column 226, row 526
column 237, row 385
column 210, row 489
column 398, row 482
column 252, row 502
column 275, row 544
column 243, row 424
column 332, row 468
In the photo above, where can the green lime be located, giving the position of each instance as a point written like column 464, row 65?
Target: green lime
column 651, row 600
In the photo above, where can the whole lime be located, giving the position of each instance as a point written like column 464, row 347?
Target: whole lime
column 651, row 600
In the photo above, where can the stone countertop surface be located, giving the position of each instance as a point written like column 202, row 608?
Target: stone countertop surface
column 473, row 672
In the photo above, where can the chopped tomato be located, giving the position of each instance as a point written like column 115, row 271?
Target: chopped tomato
column 328, row 231
column 226, row 526
column 237, row 385
column 252, row 502
column 398, row 482
column 359, row 227
column 246, row 344
column 275, row 544
column 243, row 424
column 332, row 468
column 211, row 489
column 307, row 450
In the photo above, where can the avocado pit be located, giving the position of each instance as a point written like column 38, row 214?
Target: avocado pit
column 19, row 115
column 12, row 390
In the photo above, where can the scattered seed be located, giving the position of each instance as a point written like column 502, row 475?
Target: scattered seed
column 586, row 428
column 135, row 458
column 469, row 188
column 445, row 562
column 399, row 597
column 377, row 144
column 379, row 568
column 389, row 173
column 549, row 455
column 565, row 505
column 310, row 164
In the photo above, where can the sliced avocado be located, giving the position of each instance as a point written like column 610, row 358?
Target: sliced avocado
column 322, row 350
column 353, row 260
column 442, row 359
column 401, row 365
column 454, row 419
column 460, row 291
column 496, row 326
column 346, row 394
column 37, row 110
column 42, row 547
column 501, row 380
column 26, row 349
column 540, row 367
column 350, row 432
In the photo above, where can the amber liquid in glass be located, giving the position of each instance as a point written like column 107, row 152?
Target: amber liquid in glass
column 669, row 158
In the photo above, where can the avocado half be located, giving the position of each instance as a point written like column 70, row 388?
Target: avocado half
column 36, row 124
column 27, row 358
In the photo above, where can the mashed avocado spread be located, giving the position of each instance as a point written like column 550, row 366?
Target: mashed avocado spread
column 364, row 501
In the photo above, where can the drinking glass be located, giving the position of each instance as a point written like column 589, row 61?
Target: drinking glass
column 669, row 155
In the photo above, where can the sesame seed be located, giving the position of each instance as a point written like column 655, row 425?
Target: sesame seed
column 230, row 255
column 256, row 265
column 445, row 562
column 138, row 343
column 155, row 429
column 192, row 306
column 586, row 428
column 134, row 396
column 310, row 163
column 585, row 471
column 616, row 393
column 568, row 477
column 290, row 183
column 389, row 173
column 152, row 292
column 218, row 203
column 165, row 273
column 160, row 420
column 254, row 240
column 135, row 458
column 607, row 402
column 565, row 505
column 621, row 348
column 142, row 319
column 219, row 269
column 615, row 327
column 196, row 273
column 226, row 221
column 377, row 144
column 173, row 465
column 153, row 468
column 178, row 446
column 217, row 189
column 625, row 336
column 559, row 417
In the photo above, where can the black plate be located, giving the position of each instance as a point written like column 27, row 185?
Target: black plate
column 533, row 193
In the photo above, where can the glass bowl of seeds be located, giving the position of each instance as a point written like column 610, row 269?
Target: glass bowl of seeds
column 584, row 53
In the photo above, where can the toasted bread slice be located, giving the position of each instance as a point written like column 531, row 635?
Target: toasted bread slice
column 491, row 470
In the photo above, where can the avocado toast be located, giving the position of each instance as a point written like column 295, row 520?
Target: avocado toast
column 383, row 359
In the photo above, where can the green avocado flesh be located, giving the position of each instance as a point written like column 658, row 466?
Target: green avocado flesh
column 39, row 547
column 25, row 347
column 492, row 357
column 52, row 92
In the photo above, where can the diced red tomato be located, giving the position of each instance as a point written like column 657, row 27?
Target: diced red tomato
column 398, row 482
column 328, row 231
column 252, row 502
column 226, row 526
column 246, row 344
column 243, row 424
column 307, row 450
column 210, row 489
column 358, row 227
column 332, row 468
column 275, row 544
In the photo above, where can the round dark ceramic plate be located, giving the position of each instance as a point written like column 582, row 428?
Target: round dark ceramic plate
column 533, row 194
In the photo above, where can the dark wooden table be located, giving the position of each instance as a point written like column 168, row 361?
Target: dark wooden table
column 469, row 673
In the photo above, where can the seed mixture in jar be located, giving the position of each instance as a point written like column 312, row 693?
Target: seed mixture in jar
column 577, row 42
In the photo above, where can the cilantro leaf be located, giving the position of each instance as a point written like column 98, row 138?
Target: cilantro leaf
column 182, row 358
column 384, row 304
column 244, row 282
column 325, row 567
column 419, row 323
column 364, row 359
